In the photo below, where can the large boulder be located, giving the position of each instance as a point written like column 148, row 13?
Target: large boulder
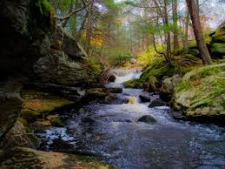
column 168, row 86
column 10, row 104
column 57, row 68
column 201, row 93
column 25, row 29
column 65, row 65
column 65, row 42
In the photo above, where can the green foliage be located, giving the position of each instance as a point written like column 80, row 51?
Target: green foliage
column 123, row 58
column 148, row 56
column 109, row 3
column 94, row 65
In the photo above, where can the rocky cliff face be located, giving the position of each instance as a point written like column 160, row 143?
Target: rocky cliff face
column 63, row 70
column 25, row 29
column 34, row 51
column 25, row 26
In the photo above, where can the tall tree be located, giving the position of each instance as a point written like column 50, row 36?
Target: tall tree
column 194, row 14
column 175, row 23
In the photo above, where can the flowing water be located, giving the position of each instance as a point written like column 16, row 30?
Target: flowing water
column 112, row 132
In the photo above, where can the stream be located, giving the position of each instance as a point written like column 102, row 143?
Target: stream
column 113, row 133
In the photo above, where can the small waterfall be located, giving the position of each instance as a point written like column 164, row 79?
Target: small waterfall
column 123, row 75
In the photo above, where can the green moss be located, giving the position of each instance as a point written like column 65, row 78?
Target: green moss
column 153, row 74
column 23, row 121
column 37, row 103
column 202, row 72
column 183, row 85
column 46, row 11
column 218, row 48
column 202, row 90
column 93, row 65
column 134, row 83
column 43, row 21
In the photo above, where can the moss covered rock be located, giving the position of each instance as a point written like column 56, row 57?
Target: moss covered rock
column 202, row 92
column 218, row 42
column 153, row 74
column 39, row 103
column 28, row 158
column 134, row 83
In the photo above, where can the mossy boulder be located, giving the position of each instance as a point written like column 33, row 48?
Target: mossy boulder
column 134, row 83
column 40, row 103
column 29, row 158
column 218, row 42
column 219, row 34
column 153, row 74
column 202, row 92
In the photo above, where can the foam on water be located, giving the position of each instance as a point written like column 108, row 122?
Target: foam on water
column 119, row 139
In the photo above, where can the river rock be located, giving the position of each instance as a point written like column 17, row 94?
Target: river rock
column 112, row 78
column 28, row 158
column 88, row 119
column 115, row 90
column 95, row 94
column 147, row 119
column 156, row 102
column 145, row 97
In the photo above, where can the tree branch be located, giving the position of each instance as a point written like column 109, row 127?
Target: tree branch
column 74, row 11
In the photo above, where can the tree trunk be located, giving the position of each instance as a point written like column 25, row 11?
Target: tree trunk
column 89, row 29
column 193, row 11
column 175, row 31
column 168, row 38
column 187, row 20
